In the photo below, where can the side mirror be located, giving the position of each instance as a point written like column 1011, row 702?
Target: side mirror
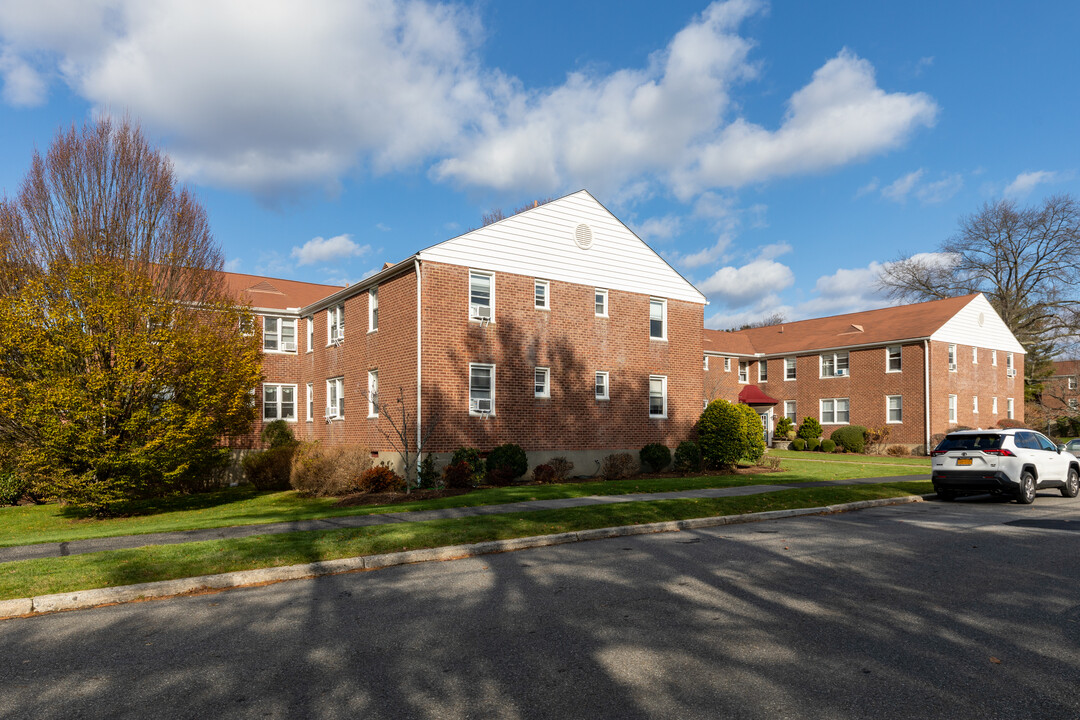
column 1061, row 449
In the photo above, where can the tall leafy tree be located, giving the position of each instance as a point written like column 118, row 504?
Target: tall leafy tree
column 122, row 361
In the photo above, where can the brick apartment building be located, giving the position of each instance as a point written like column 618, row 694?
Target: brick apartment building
column 918, row 370
column 1061, row 391
column 556, row 328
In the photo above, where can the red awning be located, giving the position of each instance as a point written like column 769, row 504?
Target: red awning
column 752, row 395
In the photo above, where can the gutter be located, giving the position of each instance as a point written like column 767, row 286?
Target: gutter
column 365, row 284
column 926, row 392
column 419, row 336
column 803, row 351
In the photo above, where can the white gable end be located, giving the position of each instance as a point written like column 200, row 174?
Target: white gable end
column 548, row 242
column 978, row 324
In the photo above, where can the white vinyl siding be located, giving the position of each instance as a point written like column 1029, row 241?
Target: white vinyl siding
column 279, row 334
column 964, row 328
column 373, row 393
column 481, row 389
column 373, row 309
column 541, row 295
column 658, row 396
column 657, row 319
column 335, row 324
column 952, row 408
column 542, row 382
column 789, row 368
column 834, row 411
column 601, row 387
column 601, row 299
column 481, row 295
column 894, row 407
column 894, row 359
column 279, row 402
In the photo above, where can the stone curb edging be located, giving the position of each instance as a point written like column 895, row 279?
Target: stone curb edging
column 83, row 599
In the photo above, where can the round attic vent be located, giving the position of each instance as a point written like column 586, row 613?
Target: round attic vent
column 982, row 319
column 583, row 236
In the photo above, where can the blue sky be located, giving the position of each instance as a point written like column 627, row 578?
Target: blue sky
column 777, row 154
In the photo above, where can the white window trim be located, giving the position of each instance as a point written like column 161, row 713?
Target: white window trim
column 373, row 393
column 607, row 385
column 953, row 410
column 489, row 367
column 952, row 357
column 604, row 293
column 663, row 390
column 727, row 364
column 706, row 362
column 335, row 320
column 762, row 377
column 975, row 404
column 744, row 372
column 279, row 386
column 373, row 309
column 310, row 321
column 547, row 294
column 1009, row 408
column 491, row 297
column 310, row 402
column 794, row 368
column 888, row 358
column 546, row 393
column 993, row 358
column 794, row 411
column 280, row 343
column 900, row 408
column 993, row 405
column 663, row 319
column 821, row 410
column 1072, row 383
column 974, row 355
column 836, row 355
column 337, row 410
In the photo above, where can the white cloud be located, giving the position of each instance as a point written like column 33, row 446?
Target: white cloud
column 912, row 184
column 868, row 188
column 23, row 85
column 658, row 228
column 326, row 250
column 773, row 251
column 1025, row 182
column 767, row 306
column 233, row 265
column 738, row 287
column 940, row 190
column 899, row 189
column 706, row 256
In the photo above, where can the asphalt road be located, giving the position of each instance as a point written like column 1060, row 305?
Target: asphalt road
column 957, row 610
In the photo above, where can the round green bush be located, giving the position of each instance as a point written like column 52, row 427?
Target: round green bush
column 783, row 426
column 828, row 446
column 798, row 444
column 277, row 434
column 471, row 457
column 810, row 429
column 850, row 437
column 812, row 444
column 688, row 456
column 720, row 435
column 506, row 462
column 753, row 433
column 655, row 456
column 12, row 488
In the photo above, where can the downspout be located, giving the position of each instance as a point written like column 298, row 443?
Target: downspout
column 419, row 326
column 926, row 391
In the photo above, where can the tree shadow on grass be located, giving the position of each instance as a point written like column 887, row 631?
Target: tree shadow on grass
column 176, row 503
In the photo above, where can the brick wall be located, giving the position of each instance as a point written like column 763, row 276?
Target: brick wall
column 983, row 380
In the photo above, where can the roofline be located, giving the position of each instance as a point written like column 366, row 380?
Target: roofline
column 365, row 284
column 860, row 346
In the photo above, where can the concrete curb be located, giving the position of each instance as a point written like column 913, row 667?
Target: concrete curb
column 83, row 599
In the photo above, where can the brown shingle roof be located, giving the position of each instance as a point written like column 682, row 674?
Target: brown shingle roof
column 264, row 292
column 862, row 328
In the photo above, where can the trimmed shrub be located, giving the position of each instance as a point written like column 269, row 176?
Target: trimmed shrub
column 850, row 437
column 897, row 450
column 562, row 468
column 319, row 471
column 618, row 466
column 783, row 426
column 655, row 456
column 827, row 446
column 380, row 479
column 812, row 444
column 810, row 429
column 753, row 434
column 426, row 474
column 1062, row 426
column 721, row 435
column 1074, row 426
column 688, row 457
column 12, row 488
column 277, row 434
column 505, row 463
column 269, row 469
column 459, row 475
column 544, row 473
column 798, row 444
column 1007, row 423
column 470, row 456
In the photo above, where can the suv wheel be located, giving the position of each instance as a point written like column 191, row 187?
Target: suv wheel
column 1071, row 488
column 1026, row 494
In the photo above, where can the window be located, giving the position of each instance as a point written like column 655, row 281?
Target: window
column 247, row 325
column 310, row 333
column 542, row 382
column 993, row 358
column 373, row 309
column 541, row 290
column 373, row 393
column 763, row 371
column 1072, row 383
column 657, row 319
column 335, row 398
column 993, row 405
column 727, row 364
column 974, row 356
column 834, row 364
column 952, row 358
column 1072, row 404
column 834, row 411
column 894, row 405
column 789, row 411
column 1010, row 371
column 706, row 362
column 975, row 404
column 893, row 359
column 481, row 389
column 657, row 396
column 601, row 303
column 481, row 287
column 279, row 402
column 310, row 402
column 601, row 386
column 279, row 334
column 1009, row 408
column 952, row 408
column 335, row 325
column 744, row 371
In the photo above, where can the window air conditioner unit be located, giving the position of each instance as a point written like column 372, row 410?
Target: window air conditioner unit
column 288, row 347
column 1010, row 373
column 482, row 405
column 331, row 413
column 952, row 367
column 483, row 312
column 841, row 372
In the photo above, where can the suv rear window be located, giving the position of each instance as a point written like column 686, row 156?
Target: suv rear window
column 971, row 442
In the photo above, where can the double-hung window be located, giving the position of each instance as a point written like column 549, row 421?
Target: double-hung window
column 952, row 358
column 763, row 371
column 727, row 364
column 279, row 334
column 975, row 404
column 279, row 402
column 834, row 364
column 1009, row 408
column 481, row 389
column 1072, row 382
column 373, row 393
column 657, row 319
column 1009, row 369
column 373, row 309
column 974, row 356
column 993, row 358
column 893, row 359
column 789, row 368
column 601, row 387
column 335, row 398
column 993, row 405
column 601, row 300
column 744, row 371
column 789, row 411
column 310, row 322
column 894, row 405
column 335, row 324
column 952, row 408
column 542, row 295
column 542, row 382
column 481, row 295
column 834, row 411
column 658, row 396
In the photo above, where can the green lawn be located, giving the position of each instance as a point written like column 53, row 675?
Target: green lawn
column 850, row 458
column 243, row 506
column 163, row 562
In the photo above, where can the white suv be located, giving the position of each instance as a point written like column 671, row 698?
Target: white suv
column 1014, row 462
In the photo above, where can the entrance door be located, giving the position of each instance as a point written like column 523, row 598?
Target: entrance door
column 766, row 424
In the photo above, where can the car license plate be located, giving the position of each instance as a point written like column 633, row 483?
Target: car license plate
column 963, row 461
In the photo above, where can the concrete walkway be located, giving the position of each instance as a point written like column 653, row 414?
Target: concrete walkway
column 124, row 542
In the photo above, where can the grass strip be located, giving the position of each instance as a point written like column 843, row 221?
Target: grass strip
column 165, row 562
column 243, row 506
column 868, row 460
